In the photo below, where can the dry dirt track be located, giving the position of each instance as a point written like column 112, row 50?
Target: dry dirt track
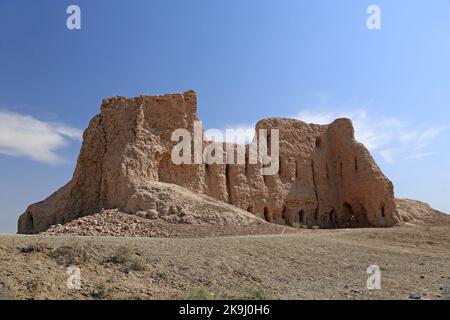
column 315, row 264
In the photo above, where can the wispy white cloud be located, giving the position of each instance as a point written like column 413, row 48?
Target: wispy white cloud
column 24, row 136
column 389, row 155
column 421, row 155
column 390, row 137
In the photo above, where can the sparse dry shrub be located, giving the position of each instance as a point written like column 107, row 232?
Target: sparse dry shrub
column 102, row 290
column 198, row 294
column 296, row 225
column 4, row 295
column 70, row 254
column 33, row 285
column 256, row 294
column 211, row 293
column 33, row 248
column 129, row 259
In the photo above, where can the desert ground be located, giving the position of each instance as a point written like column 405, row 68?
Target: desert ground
column 307, row 264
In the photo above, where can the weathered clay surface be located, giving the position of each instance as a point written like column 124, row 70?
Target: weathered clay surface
column 417, row 213
column 326, row 178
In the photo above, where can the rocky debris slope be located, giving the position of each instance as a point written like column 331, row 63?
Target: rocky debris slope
column 325, row 177
column 165, row 204
column 417, row 212
column 179, row 224
column 118, row 224
column 175, row 212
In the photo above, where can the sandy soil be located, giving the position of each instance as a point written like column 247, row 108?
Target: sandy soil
column 312, row 264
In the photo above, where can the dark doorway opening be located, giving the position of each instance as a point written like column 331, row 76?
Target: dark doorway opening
column 267, row 215
column 332, row 218
column 301, row 217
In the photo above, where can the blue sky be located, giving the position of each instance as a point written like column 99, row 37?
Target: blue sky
column 247, row 60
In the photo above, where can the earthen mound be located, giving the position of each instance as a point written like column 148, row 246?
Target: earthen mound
column 417, row 212
column 325, row 178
